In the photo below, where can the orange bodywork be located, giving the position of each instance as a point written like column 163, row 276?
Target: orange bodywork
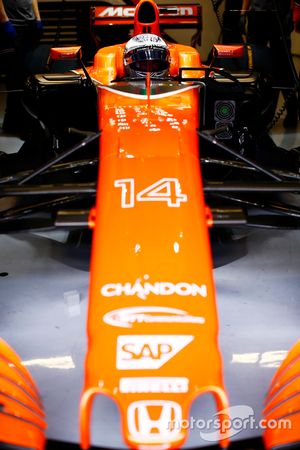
column 282, row 411
column 152, row 319
column 162, row 241
column 12, row 370
column 108, row 63
column 8, row 355
column 21, row 413
column 287, row 370
column 286, row 433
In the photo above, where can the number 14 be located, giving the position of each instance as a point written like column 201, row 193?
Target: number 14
column 164, row 190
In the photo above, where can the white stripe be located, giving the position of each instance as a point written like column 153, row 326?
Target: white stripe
column 144, row 97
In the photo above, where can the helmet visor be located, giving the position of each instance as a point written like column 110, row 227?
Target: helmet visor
column 148, row 59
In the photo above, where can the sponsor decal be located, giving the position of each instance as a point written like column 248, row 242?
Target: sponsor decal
column 127, row 317
column 142, row 288
column 150, row 420
column 178, row 11
column 148, row 352
column 117, row 11
column 154, row 385
column 166, row 190
column 147, row 39
column 127, row 11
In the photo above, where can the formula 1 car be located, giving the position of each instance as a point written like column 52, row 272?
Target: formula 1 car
column 174, row 144
column 234, row 112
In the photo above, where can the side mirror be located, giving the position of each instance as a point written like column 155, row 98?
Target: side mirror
column 228, row 51
column 62, row 59
column 63, row 53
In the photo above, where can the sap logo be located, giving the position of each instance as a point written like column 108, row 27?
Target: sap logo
column 117, row 11
column 154, row 385
column 144, row 424
column 148, row 352
column 127, row 317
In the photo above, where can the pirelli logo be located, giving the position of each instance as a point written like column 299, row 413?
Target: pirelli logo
column 154, row 385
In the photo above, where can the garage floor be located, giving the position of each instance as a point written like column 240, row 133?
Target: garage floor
column 43, row 298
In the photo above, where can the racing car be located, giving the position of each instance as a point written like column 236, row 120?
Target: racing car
column 235, row 114
column 165, row 141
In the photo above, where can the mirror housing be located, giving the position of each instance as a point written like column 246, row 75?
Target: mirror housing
column 62, row 59
column 228, row 51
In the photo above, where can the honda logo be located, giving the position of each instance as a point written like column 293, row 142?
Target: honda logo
column 152, row 420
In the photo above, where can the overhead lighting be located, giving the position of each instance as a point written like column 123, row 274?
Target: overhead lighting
column 56, row 362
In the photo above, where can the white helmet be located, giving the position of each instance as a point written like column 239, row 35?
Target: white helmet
column 146, row 53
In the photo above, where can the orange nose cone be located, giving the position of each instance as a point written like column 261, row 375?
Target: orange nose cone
column 146, row 18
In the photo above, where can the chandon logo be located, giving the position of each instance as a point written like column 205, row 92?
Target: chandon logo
column 142, row 288
column 127, row 317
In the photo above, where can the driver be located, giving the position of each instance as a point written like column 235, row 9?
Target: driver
column 146, row 53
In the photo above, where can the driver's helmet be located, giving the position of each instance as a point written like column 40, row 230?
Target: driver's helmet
column 146, row 53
